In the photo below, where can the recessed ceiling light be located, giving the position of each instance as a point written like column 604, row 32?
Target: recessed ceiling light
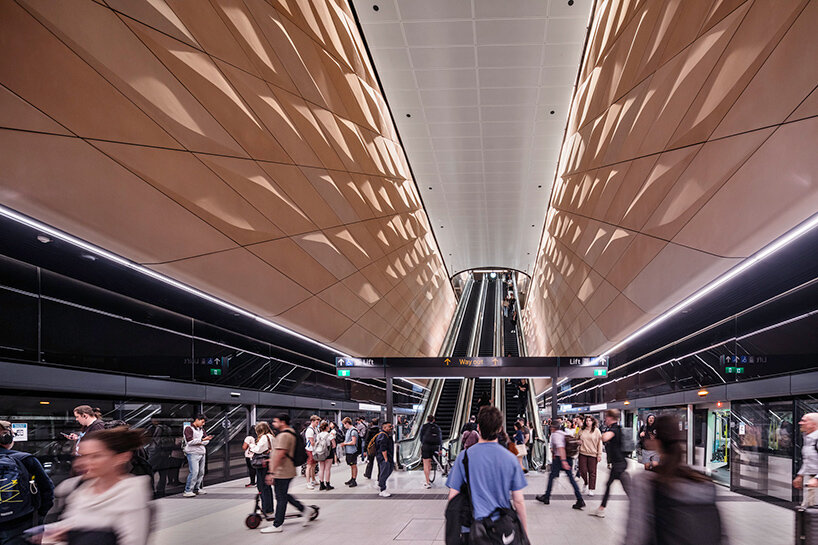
column 553, row 112
column 430, row 187
column 44, row 239
column 532, row 225
column 408, row 115
column 570, row 2
column 89, row 257
column 376, row 7
column 539, row 187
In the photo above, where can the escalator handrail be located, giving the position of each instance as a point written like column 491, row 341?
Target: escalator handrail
column 474, row 339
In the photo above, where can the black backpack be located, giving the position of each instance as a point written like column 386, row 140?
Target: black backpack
column 431, row 434
column 18, row 493
column 299, row 457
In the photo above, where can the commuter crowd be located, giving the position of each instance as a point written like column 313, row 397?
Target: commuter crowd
column 107, row 498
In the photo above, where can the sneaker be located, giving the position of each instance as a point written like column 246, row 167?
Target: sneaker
column 384, row 494
column 579, row 505
column 591, row 493
column 353, row 484
column 251, row 485
column 310, row 486
column 272, row 530
column 598, row 512
column 584, row 489
column 189, row 495
column 309, row 514
column 201, row 491
column 541, row 498
column 427, row 485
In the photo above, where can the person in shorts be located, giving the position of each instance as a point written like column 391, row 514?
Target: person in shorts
column 431, row 439
column 647, row 440
column 350, row 445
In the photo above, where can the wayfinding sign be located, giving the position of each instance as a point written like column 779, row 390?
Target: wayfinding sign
column 449, row 366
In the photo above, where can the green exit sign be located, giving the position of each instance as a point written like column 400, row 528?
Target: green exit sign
column 344, row 372
column 600, row 372
column 215, row 372
column 736, row 370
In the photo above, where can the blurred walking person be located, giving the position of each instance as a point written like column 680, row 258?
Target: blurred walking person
column 809, row 456
column 673, row 504
column 616, row 458
column 105, row 504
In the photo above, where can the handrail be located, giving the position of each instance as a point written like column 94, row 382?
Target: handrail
column 498, row 319
column 474, row 339
column 463, row 407
column 539, row 454
column 409, row 448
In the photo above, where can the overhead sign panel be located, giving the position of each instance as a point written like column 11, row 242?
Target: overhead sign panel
column 449, row 366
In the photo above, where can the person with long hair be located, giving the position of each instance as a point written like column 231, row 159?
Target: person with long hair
column 650, row 458
column 590, row 453
column 325, row 436
column 263, row 447
column 673, row 504
column 105, row 504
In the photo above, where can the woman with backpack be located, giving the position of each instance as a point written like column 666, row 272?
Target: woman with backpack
column 106, row 504
column 322, row 452
column 262, row 449
column 673, row 504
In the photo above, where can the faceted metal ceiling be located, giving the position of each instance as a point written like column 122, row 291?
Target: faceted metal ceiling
column 480, row 92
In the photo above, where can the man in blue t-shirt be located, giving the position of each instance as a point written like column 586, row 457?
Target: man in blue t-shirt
column 495, row 476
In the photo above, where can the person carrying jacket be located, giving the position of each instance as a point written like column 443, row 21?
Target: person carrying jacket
column 431, row 439
column 30, row 512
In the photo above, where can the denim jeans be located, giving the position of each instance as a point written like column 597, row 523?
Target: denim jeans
column 196, row 465
column 556, row 467
column 384, row 471
column 282, row 489
column 265, row 490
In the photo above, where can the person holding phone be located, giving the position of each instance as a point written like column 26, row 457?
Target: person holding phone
column 195, row 451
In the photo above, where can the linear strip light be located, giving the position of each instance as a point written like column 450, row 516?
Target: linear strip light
column 87, row 246
column 759, row 256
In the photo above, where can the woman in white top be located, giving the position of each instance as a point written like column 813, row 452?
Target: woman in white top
column 264, row 447
column 106, row 503
column 249, row 441
column 325, row 437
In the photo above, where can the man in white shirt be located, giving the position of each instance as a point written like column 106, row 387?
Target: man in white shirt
column 809, row 457
column 309, row 439
column 560, row 462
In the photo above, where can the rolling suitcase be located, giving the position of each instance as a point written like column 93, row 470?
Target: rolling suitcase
column 806, row 526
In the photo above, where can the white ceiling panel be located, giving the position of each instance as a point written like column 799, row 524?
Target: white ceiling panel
column 480, row 91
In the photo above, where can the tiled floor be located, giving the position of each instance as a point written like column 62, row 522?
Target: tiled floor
column 414, row 516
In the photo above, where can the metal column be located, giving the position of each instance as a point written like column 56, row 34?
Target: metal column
column 390, row 408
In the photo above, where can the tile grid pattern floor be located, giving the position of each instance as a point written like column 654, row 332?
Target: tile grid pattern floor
column 414, row 516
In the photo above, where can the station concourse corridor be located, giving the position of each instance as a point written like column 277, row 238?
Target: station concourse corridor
column 589, row 225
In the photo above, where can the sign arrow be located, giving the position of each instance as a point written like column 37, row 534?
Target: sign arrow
column 494, row 361
column 447, row 361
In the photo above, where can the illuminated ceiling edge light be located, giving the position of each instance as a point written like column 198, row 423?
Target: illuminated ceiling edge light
column 759, row 256
column 30, row 222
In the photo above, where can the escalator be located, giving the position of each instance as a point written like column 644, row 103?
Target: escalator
column 511, row 346
column 444, row 415
column 486, row 347
column 511, row 406
column 482, row 387
column 461, row 345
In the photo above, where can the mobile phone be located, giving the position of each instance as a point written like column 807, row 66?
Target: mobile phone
column 66, row 435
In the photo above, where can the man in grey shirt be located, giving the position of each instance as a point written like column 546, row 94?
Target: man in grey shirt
column 809, row 458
